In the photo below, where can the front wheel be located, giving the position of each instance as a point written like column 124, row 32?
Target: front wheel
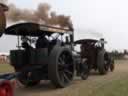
column 85, row 74
column 29, row 83
column 112, row 67
column 84, row 71
column 25, row 80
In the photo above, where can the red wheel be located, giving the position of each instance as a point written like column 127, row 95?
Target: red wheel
column 6, row 89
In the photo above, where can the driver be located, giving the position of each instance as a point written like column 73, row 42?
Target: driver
column 28, row 49
column 42, row 42
column 25, row 43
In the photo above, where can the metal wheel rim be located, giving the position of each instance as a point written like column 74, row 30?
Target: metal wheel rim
column 65, row 67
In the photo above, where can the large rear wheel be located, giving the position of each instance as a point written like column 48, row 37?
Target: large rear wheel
column 102, row 63
column 61, row 67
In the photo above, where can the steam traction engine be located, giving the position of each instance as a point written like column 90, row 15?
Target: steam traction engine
column 50, row 58
column 95, row 55
column 44, row 53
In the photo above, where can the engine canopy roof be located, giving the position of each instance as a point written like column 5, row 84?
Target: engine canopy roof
column 34, row 29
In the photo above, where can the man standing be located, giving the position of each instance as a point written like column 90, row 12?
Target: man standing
column 42, row 42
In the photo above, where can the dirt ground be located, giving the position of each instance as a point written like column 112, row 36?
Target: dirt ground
column 78, row 87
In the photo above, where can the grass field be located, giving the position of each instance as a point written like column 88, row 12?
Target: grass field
column 113, row 84
column 114, row 88
column 4, row 68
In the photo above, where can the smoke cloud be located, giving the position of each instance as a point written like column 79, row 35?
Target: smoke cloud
column 42, row 15
column 3, row 1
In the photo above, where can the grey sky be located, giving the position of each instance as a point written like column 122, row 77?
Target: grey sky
column 107, row 17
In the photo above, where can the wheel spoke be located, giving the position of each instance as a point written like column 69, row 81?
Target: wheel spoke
column 60, row 64
column 68, row 72
column 62, row 76
column 68, row 62
column 65, row 68
column 61, row 61
column 66, row 77
column 64, row 57
column 69, row 65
